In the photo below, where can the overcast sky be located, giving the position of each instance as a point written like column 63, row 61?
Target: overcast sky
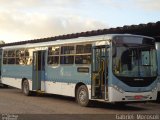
column 33, row 19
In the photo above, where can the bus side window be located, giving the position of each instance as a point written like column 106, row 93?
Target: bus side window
column 11, row 57
column 83, row 54
column 83, row 59
column 67, row 50
column 20, row 56
column 67, row 55
column 81, row 49
column 67, row 59
column 29, row 56
column 11, row 61
column 53, row 55
column 5, row 61
column 5, row 55
column 53, row 60
column 11, row 53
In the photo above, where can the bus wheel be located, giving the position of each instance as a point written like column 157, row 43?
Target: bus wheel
column 4, row 86
column 158, row 97
column 25, row 87
column 82, row 96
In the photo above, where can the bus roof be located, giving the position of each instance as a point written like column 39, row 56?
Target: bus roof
column 67, row 41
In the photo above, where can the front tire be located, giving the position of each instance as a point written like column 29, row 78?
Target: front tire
column 82, row 96
column 158, row 97
column 25, row 88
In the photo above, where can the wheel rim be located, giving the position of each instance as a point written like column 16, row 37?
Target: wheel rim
column 82, row 96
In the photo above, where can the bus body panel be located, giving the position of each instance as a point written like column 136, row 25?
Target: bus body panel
column 127, row 88
column 17, row 71
column 120, row 96
column 67, row 74
column 62, row 79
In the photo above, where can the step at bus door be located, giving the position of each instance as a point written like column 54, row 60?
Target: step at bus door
column 99, row 84
column 38, row 75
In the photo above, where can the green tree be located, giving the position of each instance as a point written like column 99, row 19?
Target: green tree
column 2, row 42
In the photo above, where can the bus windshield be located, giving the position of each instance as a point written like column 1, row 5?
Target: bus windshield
column 133, row 60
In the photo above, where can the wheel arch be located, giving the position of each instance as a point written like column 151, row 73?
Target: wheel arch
column 77, row 86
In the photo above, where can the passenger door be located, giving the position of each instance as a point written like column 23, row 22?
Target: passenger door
column 38, row 74
column 99, row 84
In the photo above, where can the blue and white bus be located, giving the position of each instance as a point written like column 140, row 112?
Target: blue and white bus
column 110, row 68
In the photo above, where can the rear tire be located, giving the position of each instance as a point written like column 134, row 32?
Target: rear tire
column 82, row 96
column 25, row 88
column 4, row 86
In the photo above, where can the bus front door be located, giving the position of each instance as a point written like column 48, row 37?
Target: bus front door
column 99, row 84
column 38, row 74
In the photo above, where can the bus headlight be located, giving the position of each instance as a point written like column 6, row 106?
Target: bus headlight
column 154, row 89
column 117, row 88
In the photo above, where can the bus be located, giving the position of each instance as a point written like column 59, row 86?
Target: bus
column 111, row 68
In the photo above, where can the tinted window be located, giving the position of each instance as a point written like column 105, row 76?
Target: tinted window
column 83, row 59
column 80, row 49
column 67, row 59
column 53, row 60
column 67, row 50
column 54, row 50
column 53, row 55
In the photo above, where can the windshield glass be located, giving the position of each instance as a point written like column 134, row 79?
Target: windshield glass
column 134, row 60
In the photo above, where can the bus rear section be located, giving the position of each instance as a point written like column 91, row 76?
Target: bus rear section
column 1, row 84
